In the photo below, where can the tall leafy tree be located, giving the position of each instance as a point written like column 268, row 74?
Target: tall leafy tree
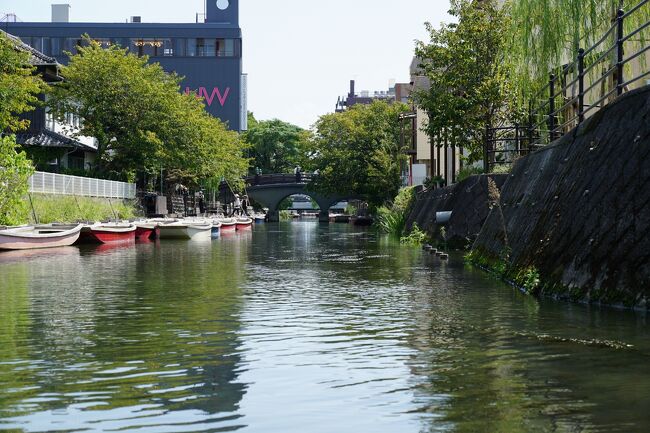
column 277, row 146
column 201, row 148
column 121, row 99
column 547, row 34
column 19, row 87
column 468, row 69
column 18, row 90
column 358, row 151
column 15, row 170
column 141, row 120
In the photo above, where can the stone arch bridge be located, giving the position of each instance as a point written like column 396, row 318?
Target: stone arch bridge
column 269, row 190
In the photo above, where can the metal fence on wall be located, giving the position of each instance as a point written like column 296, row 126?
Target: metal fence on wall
column 52, row 183
column 618, row 62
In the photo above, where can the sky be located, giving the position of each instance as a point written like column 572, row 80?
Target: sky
column 299, row 54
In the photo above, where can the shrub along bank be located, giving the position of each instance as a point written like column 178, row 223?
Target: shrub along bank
column 391, row 218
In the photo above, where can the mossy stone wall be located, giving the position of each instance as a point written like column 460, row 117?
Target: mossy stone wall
column 578, row 211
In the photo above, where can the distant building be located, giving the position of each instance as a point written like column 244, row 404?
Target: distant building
column 435, row 158
column 207, row 53
column 364, row 97
column 48, row 142
column 427, row 159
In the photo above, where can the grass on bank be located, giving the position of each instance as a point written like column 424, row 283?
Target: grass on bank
column 415, row 238
column 63, row 208
column 526, row 279
column 391, row 219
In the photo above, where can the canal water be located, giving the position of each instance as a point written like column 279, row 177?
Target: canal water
column 301, row 327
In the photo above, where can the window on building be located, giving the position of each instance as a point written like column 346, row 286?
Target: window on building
column 76, row 162
column 148, row 47
column 37, row 44
column 70, row 45
column 41, row 44
column 191, row 47
column 104, row 43
column 49, row 120
column 122, row 42
column 168, row 47
column 206, row 47
column 27, row 40
column 180, row 47
column 226, row 48
column 57, row 46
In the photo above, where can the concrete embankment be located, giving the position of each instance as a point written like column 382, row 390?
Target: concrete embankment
column 574, row 215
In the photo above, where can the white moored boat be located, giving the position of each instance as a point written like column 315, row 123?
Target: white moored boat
column 216, row 227
column 194, row 229
column 30, row 237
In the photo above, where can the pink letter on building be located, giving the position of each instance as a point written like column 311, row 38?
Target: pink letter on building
column 215, row 91
column 203, row 93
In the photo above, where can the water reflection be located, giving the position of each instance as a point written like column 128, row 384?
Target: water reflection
column 303, row 327
column 127, row 336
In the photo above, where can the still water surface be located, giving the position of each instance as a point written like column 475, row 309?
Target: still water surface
column 303, row 328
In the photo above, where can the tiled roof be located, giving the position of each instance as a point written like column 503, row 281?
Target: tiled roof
column 36, row 57
column 49, row 138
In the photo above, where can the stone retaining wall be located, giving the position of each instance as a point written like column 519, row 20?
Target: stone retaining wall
column 578, row 211
column 467, row 199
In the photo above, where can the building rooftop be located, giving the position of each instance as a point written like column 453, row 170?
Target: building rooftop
column 36, row 57
column 51, row 139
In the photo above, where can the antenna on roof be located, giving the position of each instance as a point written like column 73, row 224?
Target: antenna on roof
column 10, row 18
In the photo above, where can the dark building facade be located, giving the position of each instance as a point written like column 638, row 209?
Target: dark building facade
column 208, row 54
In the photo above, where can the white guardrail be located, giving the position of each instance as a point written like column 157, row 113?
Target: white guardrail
column 52, row 183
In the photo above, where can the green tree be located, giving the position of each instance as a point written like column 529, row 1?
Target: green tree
column 277, row 146
column 198, row 148
column 358, row 152
column 141, row 120
column 252, row 121
column 545, row 34
column 18, row 85
column 15, row 170
column 468, row 69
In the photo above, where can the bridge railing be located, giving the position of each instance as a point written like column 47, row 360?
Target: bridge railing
column 275, row 179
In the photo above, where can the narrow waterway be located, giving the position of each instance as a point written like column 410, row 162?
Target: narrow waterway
column 301, row 327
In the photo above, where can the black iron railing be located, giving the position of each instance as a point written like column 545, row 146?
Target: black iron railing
column 275, row 179
column 575, row 91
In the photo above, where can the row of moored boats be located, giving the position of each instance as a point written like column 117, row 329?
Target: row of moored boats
column 60, row 235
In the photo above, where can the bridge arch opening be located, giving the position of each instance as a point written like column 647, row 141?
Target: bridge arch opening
column 300, row 203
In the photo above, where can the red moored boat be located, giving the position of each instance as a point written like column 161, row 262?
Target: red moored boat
column 227, row 224
column 107, row 233
column 145, row 230
column 244, row 223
